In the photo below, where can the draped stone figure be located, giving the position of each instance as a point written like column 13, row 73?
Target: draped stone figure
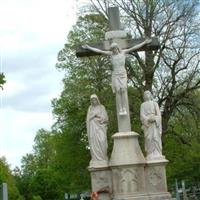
column 97, row 120
column 151, row 124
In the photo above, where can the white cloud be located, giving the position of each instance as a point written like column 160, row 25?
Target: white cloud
column 31, row 34
column 38, row 21
column 18, row 129
column 12, row 86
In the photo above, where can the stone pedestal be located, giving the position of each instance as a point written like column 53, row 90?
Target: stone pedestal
column 126, row 150
column 127, row 165
column 101, row 182
column 134, row 178
column 155, row 176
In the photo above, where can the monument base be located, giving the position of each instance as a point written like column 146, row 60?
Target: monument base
column 131, row 197
column 161, row 196
column 101, row 182
column 155, row 179
column 133, row 177
column 126, row 150
column 127, row 164
column 98, row 164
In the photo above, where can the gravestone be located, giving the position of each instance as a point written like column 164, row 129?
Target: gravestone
column 129, row 176
column 4, row 192
column 66, row 196
column 177, row 191
column 184, row 190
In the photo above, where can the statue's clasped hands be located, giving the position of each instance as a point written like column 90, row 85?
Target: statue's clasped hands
column 151, row 119
column 85, row 46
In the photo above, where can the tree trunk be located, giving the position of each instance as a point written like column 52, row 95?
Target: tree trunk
column 149, row 70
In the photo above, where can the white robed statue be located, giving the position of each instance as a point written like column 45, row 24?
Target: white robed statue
column 152, row 126
column 97, row 120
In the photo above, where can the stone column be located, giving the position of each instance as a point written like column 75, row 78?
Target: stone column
column 127, row 165
column 124, row 124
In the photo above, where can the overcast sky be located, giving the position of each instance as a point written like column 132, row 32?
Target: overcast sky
column 31, row 34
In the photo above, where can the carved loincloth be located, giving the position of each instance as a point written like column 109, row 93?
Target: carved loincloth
column 119, row 81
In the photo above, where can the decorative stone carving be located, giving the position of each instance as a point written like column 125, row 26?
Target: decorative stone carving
column 155, row 176
column 151, row 124
column 116, row 177
column 97, row 120
column 129, row 181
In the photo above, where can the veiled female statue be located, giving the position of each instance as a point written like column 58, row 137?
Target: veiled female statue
column 97, row 120
column 151, row 124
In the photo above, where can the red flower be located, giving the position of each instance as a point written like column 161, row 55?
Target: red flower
column 94, row 196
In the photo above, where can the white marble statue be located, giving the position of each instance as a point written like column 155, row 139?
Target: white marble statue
column 97, row 120
column 151, row 124
column 119, row 75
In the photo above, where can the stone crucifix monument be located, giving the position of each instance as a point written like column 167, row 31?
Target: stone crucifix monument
column 127, row 175
column 116, row 45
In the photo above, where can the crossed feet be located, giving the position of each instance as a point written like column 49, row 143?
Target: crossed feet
column 122, row 111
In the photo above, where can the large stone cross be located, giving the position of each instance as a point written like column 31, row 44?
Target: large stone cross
column 116, row 33
column 119, row 36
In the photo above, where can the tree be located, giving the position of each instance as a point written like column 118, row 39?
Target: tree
column 184, row 163
column 25, row 174
column 2, row 80
column 45, row 185
column 6, row 177
column 37, row 177
column 43, row 148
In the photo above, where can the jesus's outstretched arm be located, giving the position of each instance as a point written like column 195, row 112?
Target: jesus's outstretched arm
column 96, row 50
column 147, row 41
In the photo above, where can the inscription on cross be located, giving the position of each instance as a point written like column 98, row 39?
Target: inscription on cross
column 117, row 46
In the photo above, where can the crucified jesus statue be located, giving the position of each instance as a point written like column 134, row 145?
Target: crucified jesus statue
column 119, row 75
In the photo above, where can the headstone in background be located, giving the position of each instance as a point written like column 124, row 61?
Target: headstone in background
column 73, row 196
column 4, row 192
column 184, row 190
column 82, row 195
column 66, row 196
column 177, row 191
